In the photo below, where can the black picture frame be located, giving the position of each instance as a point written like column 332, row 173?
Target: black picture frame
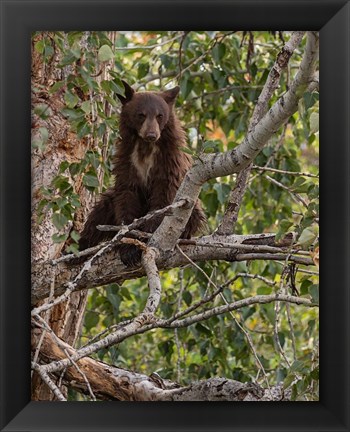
column 18, row 20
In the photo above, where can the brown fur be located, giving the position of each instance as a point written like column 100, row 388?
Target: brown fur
column 148, row 167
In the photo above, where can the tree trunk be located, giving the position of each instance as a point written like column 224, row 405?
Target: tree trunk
column 66, row 318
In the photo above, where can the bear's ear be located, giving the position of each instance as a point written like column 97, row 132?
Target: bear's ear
column 170, row 95
column 129, row 92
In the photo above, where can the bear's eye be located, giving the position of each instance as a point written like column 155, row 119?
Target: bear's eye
column 141, row 116
column 159, row 116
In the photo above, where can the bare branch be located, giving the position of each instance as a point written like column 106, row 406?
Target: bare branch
column 259, row 299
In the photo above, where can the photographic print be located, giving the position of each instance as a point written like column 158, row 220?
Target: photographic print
column 175, row 216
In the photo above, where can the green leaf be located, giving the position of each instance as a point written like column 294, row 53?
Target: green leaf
column 62, row 201
column 71, row 99
column 83, row 128
column 165, row 348
column 300, row 366
column 187, row 296
column 117, row 82
column 314, row 292
column 59, row 238
column 68, row 59
column 283, row 227
column 61, row 182
column 142, row 70
column 63, row 166
column 91, row 319
column 284, row 224
column 75, row 200
column 55, row 87
column 166, row 60
column 41, row 138
column 86, row 107
column 304, row 287
column 73, row 114
column 44, row 134
column 222, row 190
column 76, row 51
column 114, row 299
column 72, row 248
column 74, row 168
column 264, row 290
column 186, row 85
column 105, row 53
column 310, row 99
column 106, row 86
column 40, row 46
column 288, row 381
column 42, row 204
column 59, row 220
column 75, row 236
column 94, row 159
column 90, row 179
column 307, row 237
column 201, row 328
column 315, row 374
column 43, row 111
column 124, row 292
column 218, row 52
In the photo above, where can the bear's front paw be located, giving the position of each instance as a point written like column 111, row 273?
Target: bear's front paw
column 130, row 255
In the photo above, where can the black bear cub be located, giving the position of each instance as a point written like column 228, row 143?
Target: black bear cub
column 149, row 166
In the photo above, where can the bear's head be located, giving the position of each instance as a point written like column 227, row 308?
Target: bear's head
column 147, row 113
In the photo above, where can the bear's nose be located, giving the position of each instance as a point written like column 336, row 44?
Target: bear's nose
column 151, row 136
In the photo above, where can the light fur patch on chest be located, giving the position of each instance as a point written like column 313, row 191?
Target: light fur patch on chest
column 143, row 164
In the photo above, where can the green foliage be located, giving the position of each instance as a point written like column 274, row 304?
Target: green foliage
column 220, row 78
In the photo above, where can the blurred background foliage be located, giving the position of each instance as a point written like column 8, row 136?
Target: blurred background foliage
column 220, row 75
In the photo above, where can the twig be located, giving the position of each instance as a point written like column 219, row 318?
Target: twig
column 295, row 195
column 196, row 266
column 304, row 174
column 259, row 299
column 166, row 211
column 145, row 47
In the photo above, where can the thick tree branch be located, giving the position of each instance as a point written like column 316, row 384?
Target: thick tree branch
column 108, row 268
column 111, row 383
